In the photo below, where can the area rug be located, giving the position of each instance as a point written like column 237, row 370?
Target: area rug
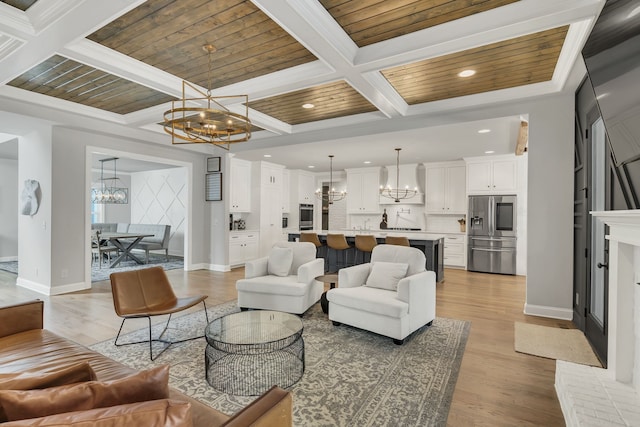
column 554, row 343
column 100, row 274
column 352, row 377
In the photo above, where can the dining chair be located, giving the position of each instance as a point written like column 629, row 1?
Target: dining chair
column 99, row 248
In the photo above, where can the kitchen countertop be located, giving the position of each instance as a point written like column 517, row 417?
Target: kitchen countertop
column 413, row 235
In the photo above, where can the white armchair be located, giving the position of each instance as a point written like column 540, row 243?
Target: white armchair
column 283, row 281
column 393, row 295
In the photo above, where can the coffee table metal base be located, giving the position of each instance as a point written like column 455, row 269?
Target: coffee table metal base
column 254, row 369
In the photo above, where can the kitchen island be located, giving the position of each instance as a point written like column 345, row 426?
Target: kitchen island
column 432, row 245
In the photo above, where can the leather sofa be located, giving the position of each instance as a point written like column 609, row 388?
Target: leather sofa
column 25, row 347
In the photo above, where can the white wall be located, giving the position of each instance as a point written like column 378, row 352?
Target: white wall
column 8, row 209
column 550, row 209
column 160, row 197
column 34, row 162
column 53, row 249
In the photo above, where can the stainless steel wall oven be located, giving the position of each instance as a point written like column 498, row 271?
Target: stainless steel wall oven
column 306, row 217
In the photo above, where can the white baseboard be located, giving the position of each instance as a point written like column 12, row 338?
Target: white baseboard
column 205, row 266
column 545, row 311
column 8, row 258
column 47, row 290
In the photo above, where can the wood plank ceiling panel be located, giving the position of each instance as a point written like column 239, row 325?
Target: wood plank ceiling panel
column 23, row 5
column 169, row 34
column 66, row 79
column 330, row 100
column 373, row 21
column 509, row 63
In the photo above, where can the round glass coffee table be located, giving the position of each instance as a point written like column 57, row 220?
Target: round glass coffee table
column 249, row 352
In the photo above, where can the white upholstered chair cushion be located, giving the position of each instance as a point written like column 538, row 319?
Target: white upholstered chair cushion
column 280, row 260
column 386, row 275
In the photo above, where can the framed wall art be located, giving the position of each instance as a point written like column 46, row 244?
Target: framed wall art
column 213, row 164
column 213, row 187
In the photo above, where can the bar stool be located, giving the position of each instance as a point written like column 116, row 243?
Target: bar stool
column 338, row 243
column 397, row 240
column 321, row 250
column 364, row 244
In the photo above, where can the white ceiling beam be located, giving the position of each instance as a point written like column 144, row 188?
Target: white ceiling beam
column 503, row 23
column 59, row 30
column 311, row 25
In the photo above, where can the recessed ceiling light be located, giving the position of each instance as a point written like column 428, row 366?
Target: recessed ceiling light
column 489, row 152
column 466, row 73
column 308, row 105
column 267, row 155
column 367, row 162
column 484, row 131
column 311, row 166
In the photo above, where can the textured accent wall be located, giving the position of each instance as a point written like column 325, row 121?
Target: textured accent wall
column 160, row 197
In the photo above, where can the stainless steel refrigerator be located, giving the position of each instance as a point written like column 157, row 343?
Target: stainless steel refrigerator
column 492, row 234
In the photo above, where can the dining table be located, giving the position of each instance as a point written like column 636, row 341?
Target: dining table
column 125, row 242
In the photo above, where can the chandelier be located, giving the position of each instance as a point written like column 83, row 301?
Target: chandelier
column 109, row 192
column 397, row 193
column 213, row 124
column 332, row 195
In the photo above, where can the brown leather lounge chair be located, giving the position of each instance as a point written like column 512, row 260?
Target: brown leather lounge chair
column 146, row 293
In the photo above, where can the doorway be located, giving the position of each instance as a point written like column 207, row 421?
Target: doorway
column 158, row 193
column 596, row 295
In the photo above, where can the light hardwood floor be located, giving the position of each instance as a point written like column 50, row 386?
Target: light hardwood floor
column 496, row 386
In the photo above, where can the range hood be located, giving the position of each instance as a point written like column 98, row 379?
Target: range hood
column 409, row 177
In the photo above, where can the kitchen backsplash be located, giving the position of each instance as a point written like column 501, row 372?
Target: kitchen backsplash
column 401, row 216
column 443, row 223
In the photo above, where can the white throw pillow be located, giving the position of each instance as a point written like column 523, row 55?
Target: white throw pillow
column 386, row 275
column 280, row 260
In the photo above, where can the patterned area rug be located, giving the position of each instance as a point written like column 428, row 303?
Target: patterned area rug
column 100, row 274
column 352, row 377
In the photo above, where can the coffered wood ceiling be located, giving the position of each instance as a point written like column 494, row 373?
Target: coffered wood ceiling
column 371, row 21
column 66, row 79
column 366, row 65
column 329, row 101
column 510, row 63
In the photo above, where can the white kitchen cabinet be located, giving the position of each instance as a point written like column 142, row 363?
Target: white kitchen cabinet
column 271, row 175
column 286, row 191
column 492, row 176
column 243, row 247
column 306, row 188
column 363, row 191
column 271, row 195
column 455, row 250
column 240, row 186
column 445, row 188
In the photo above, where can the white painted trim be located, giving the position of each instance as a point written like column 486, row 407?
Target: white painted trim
column 546, row 311
column 15, row 19
column 8, row 258
column 210, row 267
column 8, row 45
column 44, row 13
column 56, row 290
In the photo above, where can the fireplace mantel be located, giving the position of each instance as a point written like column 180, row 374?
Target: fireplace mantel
column 616, row 389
